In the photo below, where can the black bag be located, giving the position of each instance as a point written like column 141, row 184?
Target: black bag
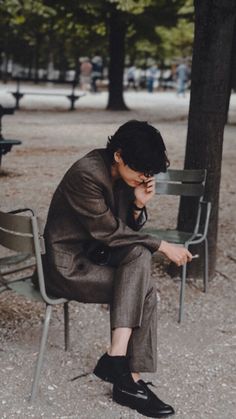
column 97, row 252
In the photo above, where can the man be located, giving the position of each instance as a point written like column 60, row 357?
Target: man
column 96, row 254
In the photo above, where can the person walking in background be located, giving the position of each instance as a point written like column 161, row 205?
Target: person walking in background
column 182, row 76
column 151, row 77
column 85, row 73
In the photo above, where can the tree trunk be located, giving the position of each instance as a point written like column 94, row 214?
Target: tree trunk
column 29, row 72
column 37, row 49
column 117, row 32
column 233, row 65
column 214, row 29
column 5, row 61
column 232, row 82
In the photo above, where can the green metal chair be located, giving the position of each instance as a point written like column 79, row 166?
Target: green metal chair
column 23, row 234
column 189, row 183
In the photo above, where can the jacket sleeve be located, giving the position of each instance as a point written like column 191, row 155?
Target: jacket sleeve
column 138, row 223
column 87, row 199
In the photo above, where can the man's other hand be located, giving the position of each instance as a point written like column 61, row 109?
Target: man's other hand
column 177, row 254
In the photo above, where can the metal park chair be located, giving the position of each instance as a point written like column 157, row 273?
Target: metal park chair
column 189, row 183
column 23, row 235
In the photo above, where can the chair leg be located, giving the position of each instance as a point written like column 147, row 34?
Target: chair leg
column 41, row 353
column 66, row 325
column 182, row 293
column 205, row 264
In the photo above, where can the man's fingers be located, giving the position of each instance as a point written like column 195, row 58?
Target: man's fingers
column 189, row 256
column 150, row 182
column 177, row 254
column 150, row 186
column 184, row 258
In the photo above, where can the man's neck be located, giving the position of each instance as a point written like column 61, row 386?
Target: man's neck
column 114, row 172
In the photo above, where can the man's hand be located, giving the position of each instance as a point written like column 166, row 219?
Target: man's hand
column 177, row 254
column 144, row 192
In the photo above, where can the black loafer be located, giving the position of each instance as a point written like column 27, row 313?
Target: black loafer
column 138, row 396
column 111, row 368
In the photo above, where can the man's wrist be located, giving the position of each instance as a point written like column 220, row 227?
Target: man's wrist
column 138, row 207
column 162, row 246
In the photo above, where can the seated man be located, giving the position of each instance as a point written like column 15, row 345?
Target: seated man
column 96, row 254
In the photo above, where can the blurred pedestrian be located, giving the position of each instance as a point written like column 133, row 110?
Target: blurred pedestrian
column 85, row 73
column 182, row 76
column 151, row 77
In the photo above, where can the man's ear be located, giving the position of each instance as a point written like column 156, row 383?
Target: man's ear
column 117, row 157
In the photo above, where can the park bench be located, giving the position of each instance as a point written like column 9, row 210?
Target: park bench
column 186, row 183
column 6, row 145
column 18, row 94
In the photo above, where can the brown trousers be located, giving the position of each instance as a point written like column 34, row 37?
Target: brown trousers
column 134, row 305
column 127, row 285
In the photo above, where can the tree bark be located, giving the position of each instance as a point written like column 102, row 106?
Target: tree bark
column 233, row 65
column 117, row 32
column 212, row 52
column 232, row 81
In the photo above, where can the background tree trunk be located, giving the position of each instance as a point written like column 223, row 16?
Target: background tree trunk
column 232, row 83
column 233, row 65
column 117, row 32
column 214, row 30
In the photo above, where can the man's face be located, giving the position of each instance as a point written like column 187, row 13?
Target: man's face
column 129, row 176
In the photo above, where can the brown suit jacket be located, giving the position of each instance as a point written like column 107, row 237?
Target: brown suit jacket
column 87, row 206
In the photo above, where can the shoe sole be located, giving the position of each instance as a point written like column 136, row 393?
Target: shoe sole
column 157, row 416
column 142, row 412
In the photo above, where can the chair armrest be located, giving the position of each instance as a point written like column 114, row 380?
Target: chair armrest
column 197, row 236
column 17, row 211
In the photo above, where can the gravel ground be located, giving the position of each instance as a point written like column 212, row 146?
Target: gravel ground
column 196, row 368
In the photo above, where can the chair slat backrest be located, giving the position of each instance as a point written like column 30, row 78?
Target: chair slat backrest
column 181, row 183
column 179, row 189
column 24, row 234
column 16, row 232
column 187, row 175
column 17, row 242
column 12, row 222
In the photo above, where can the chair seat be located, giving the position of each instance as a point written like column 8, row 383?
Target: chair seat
column 173, row 236
column 27, row 289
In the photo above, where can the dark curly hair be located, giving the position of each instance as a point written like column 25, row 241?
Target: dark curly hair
column 141, row 147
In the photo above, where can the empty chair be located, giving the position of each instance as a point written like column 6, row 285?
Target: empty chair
column 189, row 183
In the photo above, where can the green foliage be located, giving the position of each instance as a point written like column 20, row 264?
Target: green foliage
column 163, row 35
column 35, row 30
column 132, row 6
column 176, row 42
